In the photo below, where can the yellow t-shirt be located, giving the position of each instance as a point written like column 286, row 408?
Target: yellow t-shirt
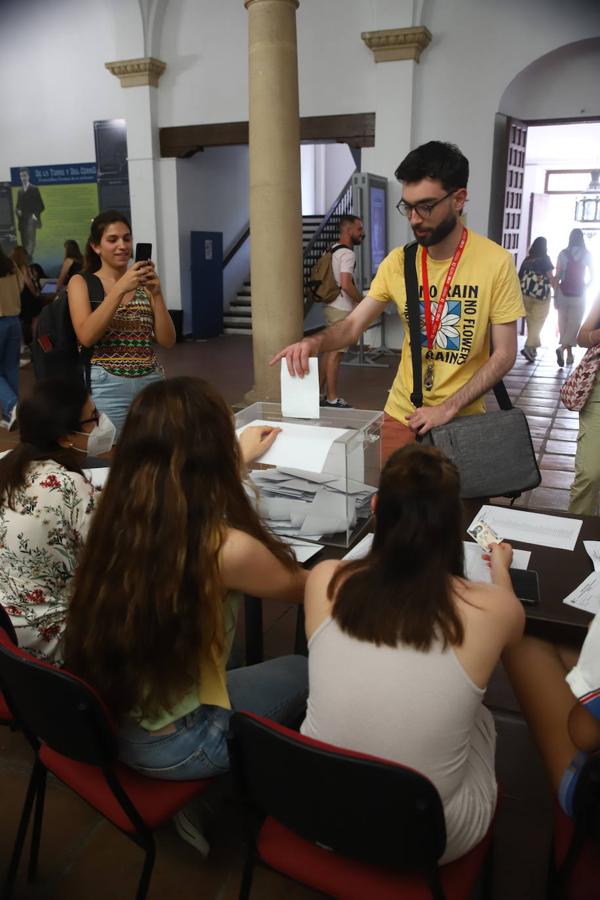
column 485, row 291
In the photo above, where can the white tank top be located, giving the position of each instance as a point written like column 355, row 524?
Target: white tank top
column 417, row 708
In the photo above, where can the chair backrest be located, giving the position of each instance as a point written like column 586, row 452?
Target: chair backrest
column 356, row 805
column 586, row 799
column 55, row 707
column 7, row 625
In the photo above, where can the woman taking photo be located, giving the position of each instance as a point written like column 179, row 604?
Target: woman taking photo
column 401, row 645
column 71, row 264
column 11, row 284
column 174, row 544
column 46, row 505
column 535, row 276
column 573, row 274
column 118, row 313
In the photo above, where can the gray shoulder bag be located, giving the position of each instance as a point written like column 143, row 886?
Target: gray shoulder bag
column 493, row 451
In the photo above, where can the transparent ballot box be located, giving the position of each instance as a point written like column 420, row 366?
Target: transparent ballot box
column 317, row 480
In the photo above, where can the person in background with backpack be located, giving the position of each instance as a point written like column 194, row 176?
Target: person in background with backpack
column 118, row 312
column 535, row 276
column 11, row 283
column 343, row 262
column 573, row 274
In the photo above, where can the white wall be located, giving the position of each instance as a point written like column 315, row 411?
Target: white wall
column 54, row 84
column 212, row 192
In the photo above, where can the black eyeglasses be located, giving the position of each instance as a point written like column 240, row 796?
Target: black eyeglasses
column 423, row 210
column 95, row 418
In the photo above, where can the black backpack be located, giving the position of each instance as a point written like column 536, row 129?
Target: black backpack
column 55, row 350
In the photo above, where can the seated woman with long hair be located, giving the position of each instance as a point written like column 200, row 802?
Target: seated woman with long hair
column 46, row 505
column 174, row 544
column 401, row 644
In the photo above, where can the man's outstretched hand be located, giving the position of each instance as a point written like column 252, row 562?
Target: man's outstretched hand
column 297, row 356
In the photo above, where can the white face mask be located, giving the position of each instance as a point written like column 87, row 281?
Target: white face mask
column 100, row 438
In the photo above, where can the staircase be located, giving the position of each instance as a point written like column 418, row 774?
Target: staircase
column 238, row 319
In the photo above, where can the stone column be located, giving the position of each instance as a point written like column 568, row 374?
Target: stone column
column 275, row 199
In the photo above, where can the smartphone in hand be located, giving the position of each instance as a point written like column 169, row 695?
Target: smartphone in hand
column 143, row 252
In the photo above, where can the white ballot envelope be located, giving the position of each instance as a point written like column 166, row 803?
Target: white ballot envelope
column 300, row 396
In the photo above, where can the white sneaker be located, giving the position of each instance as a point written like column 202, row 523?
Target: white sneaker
column 190, row 832
column 10, row 422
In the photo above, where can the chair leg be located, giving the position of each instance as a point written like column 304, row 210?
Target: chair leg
column 247, row 874
column 144, row 882
column 11, row 873
column 38, row 817
column 487, row 879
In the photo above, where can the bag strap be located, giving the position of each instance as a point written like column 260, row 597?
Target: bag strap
column 412, row 304
column 95, row 288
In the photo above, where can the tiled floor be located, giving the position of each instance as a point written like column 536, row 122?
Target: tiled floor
column 84, row 857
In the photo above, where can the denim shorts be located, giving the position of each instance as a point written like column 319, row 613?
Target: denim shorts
column 113, row 393
column 197, row 748
column 568, row 782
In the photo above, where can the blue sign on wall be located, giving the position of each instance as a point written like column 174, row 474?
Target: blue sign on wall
column 67, row 173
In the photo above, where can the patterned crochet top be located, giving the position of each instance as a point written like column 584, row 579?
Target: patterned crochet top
column 127, row 346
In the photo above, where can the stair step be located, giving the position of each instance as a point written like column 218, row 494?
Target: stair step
column 228, row 330
column 243, row 302
column 237, row 321
column 241, row 313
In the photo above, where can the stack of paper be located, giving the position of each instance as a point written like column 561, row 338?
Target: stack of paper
column 303, row 504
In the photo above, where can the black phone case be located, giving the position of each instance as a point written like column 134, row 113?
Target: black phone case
column 526, row 585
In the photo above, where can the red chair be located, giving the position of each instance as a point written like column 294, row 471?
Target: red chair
column 575, row 855
column 6, row 717
column 349, row 825
column 77, row 743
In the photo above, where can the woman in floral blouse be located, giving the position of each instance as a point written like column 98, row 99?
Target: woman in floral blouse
column 45, row 509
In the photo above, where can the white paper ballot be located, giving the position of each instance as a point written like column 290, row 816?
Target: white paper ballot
column 97, row 476
column 361, row 549
column 587, row 595
column 476, row 568
column 304, row 552
column 593, row 549
column 300, row 396
column 531, row 528
column 299, row 446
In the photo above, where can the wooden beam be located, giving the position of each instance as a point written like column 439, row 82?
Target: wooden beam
column 357, row 130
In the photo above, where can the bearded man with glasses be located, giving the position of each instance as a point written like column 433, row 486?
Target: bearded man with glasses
column 469, row 293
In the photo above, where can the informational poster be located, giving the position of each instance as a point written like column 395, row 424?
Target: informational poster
column 53, row 204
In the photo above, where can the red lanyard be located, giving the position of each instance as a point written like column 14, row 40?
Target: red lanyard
column 432, row 328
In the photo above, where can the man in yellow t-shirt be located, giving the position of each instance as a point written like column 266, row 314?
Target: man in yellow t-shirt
column 482, row 300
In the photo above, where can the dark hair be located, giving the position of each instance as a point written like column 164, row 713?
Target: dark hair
column 72, row 251
column 19, row 256
column 149, row 576
column 24, row 169
column 437, row 160
column 98, row 226
column 576, row 239
column 348, row 219
column 539, row 248
column 401, row 592
column 51, row 412
column 7, row 266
